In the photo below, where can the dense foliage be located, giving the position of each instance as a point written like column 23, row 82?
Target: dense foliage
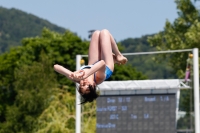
column 33, row 97
column 16, row 24
column 183, row 33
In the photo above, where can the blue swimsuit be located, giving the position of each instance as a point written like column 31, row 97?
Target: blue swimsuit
column 108, row 72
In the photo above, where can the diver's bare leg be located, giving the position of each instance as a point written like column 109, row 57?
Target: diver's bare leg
column 94, row 49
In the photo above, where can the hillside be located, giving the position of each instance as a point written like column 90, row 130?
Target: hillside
column 137, row 44
column 154, row 69
column 16, row 24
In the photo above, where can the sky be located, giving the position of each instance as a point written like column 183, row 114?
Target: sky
column 123, row 18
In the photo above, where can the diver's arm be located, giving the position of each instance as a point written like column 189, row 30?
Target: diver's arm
column 99, row 66
column 60, row 69
column 82, row 74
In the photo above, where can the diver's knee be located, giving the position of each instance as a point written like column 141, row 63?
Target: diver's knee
column 104, row 32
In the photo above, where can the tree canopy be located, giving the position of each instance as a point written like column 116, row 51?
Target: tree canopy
column 32, row 94
column 183, row 33
column 33, row 98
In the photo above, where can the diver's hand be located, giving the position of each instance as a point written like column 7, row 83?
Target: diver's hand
column 77, row 75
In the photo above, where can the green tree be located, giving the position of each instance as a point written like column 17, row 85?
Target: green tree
column 153, row 69
column 33, row 97
column 59, row 117
column 26, row 77
column 126, row 73
column 183, row 33
column 33, row 91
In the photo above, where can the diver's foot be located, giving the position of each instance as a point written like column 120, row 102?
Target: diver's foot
column 120, row 59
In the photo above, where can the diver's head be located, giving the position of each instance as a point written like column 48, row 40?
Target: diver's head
column 87, row 89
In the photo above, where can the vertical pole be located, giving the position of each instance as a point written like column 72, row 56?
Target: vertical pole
column 196, row 87
column 177, row 104
column 78, row 107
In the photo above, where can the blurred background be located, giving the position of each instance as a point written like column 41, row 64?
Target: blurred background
column 35, row 35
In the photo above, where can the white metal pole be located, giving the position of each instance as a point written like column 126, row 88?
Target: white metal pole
column 196, row 87
column 177, row 104
column 78, row 107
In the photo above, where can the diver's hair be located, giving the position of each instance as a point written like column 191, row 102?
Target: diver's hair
column 90, row 97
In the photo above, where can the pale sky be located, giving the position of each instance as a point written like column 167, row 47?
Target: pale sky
column 123, row 18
